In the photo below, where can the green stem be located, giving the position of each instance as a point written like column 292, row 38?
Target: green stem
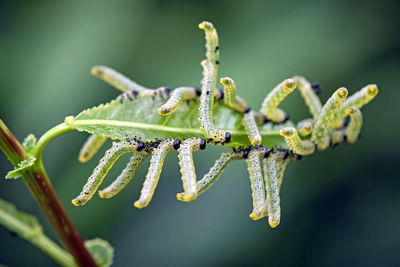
column 54, row 251
column 49, row 135
column 39, row 184
column 26, row 227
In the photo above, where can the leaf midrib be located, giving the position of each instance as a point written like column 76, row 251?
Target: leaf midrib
column 138, row 125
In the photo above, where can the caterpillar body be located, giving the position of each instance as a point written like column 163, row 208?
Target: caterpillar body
column 266, row 164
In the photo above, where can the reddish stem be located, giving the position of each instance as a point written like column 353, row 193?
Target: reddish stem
column 39, row 184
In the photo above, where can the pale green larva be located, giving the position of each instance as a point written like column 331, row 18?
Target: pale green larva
column 250, row 124
column 216, row 170
column 310, row 97
column 126, row 175
column 162, row 92
column 188, row 172
column 320, row 133
column 272, row 189
column 336, row 136
column 270, row 105
column 281, row 166
column 257, row 184
column 90, row 147
column 116, row 79
column 212, row 47
column 274, row 166
column 358, row 99
column 105, row 164
column 156, row 163
column 305, row 127
column 230, row 97
column 301, row 147
column 353, row 129
column 206, row 105
column 179, row 95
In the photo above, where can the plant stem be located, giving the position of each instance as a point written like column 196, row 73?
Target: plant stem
column 27, row 227
column 49, row 135
column 54, row 251
column 39, row 184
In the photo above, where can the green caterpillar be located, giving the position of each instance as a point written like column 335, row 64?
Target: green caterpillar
column 248, row 135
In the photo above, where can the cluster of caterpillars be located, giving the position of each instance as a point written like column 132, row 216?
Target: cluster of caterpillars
column 338, row 120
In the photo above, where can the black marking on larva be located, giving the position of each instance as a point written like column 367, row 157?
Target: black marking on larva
column 222, row 94
column 227, row 137
column 140, row 146
column 346, row 122
column 128, row 95
column 330, row 142
column 167, row 90
column 209, row 140
column 246, row 154
column 344, row 138
column 127, row 139
column 197, row 90
column 216, row 48
column 207, row 92
column 317, row 88
column 217, row 62
column 177, row 144
column 247, row 109
column 134, row 93
column 153, row 97
column 315, row 147
column 266, row 120
column 335, row 145
column 286, row 118
column 285, row 155
column 202, row 144
column 161, row 92
column 299, row 157
column 234, row 150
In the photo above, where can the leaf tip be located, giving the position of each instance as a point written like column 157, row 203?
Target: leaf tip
column 101, row 250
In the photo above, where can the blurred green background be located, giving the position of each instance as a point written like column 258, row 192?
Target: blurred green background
column 339, row 207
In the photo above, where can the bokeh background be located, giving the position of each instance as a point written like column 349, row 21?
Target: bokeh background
column 339, row 207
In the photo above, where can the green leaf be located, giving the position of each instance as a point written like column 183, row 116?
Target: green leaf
column 139, row 118
column 101, row 251
column 24, row 225
column 21, row 168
